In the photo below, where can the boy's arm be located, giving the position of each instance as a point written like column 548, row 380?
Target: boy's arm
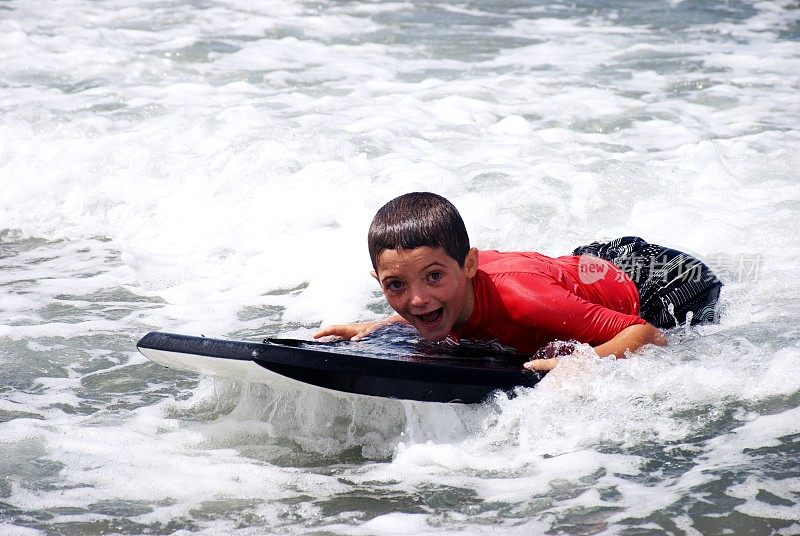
column 357, row 330
column 629, row 339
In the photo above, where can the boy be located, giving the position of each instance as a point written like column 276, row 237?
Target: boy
column 522, row 301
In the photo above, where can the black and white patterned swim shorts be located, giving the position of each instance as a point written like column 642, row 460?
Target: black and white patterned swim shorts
column 673, row 286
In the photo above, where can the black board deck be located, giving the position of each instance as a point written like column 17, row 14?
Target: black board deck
column 406, row 372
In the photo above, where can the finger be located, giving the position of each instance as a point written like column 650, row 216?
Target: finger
column 369, row 331
column 363, row 334
column 542, row 365
column 320, row 333
column 329, row 330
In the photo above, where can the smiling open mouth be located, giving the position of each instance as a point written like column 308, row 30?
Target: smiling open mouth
column 432, row 317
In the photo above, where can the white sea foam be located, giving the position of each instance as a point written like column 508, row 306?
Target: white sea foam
column 213, row 169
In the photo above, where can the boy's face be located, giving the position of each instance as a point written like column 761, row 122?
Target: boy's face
column 428, row 288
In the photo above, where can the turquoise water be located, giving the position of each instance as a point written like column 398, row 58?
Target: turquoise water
column 211, row 168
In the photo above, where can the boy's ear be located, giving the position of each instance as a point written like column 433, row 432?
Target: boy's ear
column 471, row 263
column 374, row 274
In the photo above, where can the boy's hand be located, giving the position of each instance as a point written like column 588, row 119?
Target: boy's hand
column 350, row 332
column 546, row 358
column 629, row 339
column 357, row 330
column 542, row 365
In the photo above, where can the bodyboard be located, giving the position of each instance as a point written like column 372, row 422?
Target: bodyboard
column 404, row 371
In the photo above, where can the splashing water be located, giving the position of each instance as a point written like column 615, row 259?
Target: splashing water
column 212, row 168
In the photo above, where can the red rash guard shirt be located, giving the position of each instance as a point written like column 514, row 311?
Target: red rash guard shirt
column 525, row 300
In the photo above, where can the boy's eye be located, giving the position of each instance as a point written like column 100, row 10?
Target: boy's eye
column 393, row 285
column 435, row 277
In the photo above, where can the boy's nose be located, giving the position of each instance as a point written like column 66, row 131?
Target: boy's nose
column 418, row 299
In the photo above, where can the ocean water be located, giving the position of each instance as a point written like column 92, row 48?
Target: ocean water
column 210, row 167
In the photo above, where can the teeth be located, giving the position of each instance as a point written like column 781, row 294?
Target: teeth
column 430, row 317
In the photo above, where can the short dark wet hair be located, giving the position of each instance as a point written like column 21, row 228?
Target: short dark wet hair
column 415, row 220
